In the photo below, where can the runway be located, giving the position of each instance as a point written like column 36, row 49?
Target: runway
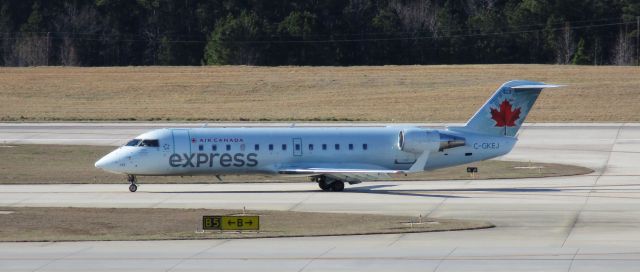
column 580, row 223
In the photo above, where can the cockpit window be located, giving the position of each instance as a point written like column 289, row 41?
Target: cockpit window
column 150, row 143
column 133, row 142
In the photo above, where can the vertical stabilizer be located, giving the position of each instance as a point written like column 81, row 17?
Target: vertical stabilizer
column 506, row 110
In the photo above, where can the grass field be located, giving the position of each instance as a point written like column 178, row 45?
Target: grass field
column 384, row 93
column 74, row 164
column 71, row 224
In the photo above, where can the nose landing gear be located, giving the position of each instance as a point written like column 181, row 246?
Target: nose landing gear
column 132, row 179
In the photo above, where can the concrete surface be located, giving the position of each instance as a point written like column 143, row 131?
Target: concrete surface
column 581, row 223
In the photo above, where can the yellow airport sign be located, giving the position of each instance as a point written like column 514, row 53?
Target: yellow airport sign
column 231, row 222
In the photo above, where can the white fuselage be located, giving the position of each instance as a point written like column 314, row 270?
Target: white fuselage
column 331, row 156
column 219, row 151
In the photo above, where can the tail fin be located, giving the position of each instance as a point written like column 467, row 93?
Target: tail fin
column 505, row 111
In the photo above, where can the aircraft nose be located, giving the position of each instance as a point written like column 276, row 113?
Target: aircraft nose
column 109, row 162
column 101, row 163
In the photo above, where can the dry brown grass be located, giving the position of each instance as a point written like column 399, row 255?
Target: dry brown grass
column 69, row 224
column 45, row 164
column 387, row 93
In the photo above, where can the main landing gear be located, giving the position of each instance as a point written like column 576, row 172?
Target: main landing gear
column 132, row 179
column 329, row 184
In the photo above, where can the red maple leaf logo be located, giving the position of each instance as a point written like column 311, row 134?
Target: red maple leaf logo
column 505, row 116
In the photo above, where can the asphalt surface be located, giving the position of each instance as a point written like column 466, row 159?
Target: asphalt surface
column 579, row 223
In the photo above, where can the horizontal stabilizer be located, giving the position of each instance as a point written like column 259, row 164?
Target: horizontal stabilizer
column 542, row 86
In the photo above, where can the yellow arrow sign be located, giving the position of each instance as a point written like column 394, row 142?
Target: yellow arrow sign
column 231, row 222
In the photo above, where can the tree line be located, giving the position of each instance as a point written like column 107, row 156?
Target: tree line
column 317, row 32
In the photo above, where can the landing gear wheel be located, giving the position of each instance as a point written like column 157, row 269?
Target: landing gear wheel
column 329, row 184
column 337, row 186
column 132, row 179
column 324, row 185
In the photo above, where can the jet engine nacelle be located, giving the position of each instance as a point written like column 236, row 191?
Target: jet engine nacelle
column 421, row 140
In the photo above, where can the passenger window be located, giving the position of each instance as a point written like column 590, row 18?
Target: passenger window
column 324, row 146
column 133, row 142
column 364, row 146
column 310, row 146
column 337, row 146
column 350, row 146
column 201, row 147
column 228, row 147
column 284, row 146
column 270, row 147
column 214, row 147
column 150, row 143
column 256, row 147
column 297, row 146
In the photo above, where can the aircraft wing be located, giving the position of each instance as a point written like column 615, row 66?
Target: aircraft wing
column 357, row 178
column 350, row 173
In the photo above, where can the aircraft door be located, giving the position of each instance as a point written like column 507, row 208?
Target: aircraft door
column 181, row 142
column 297, row 147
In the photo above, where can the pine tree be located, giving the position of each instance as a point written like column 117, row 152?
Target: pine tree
column 580, row 57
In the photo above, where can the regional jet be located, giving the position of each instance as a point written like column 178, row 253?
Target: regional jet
column 330, row 156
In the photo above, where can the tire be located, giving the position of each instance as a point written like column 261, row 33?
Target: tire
column 324, row 185
column 133, row 188
column 337, row 186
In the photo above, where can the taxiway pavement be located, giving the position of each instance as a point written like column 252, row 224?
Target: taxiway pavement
column 579, row 223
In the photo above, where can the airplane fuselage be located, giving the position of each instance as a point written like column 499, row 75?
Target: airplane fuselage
column 330, row 155
column 220, row 151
